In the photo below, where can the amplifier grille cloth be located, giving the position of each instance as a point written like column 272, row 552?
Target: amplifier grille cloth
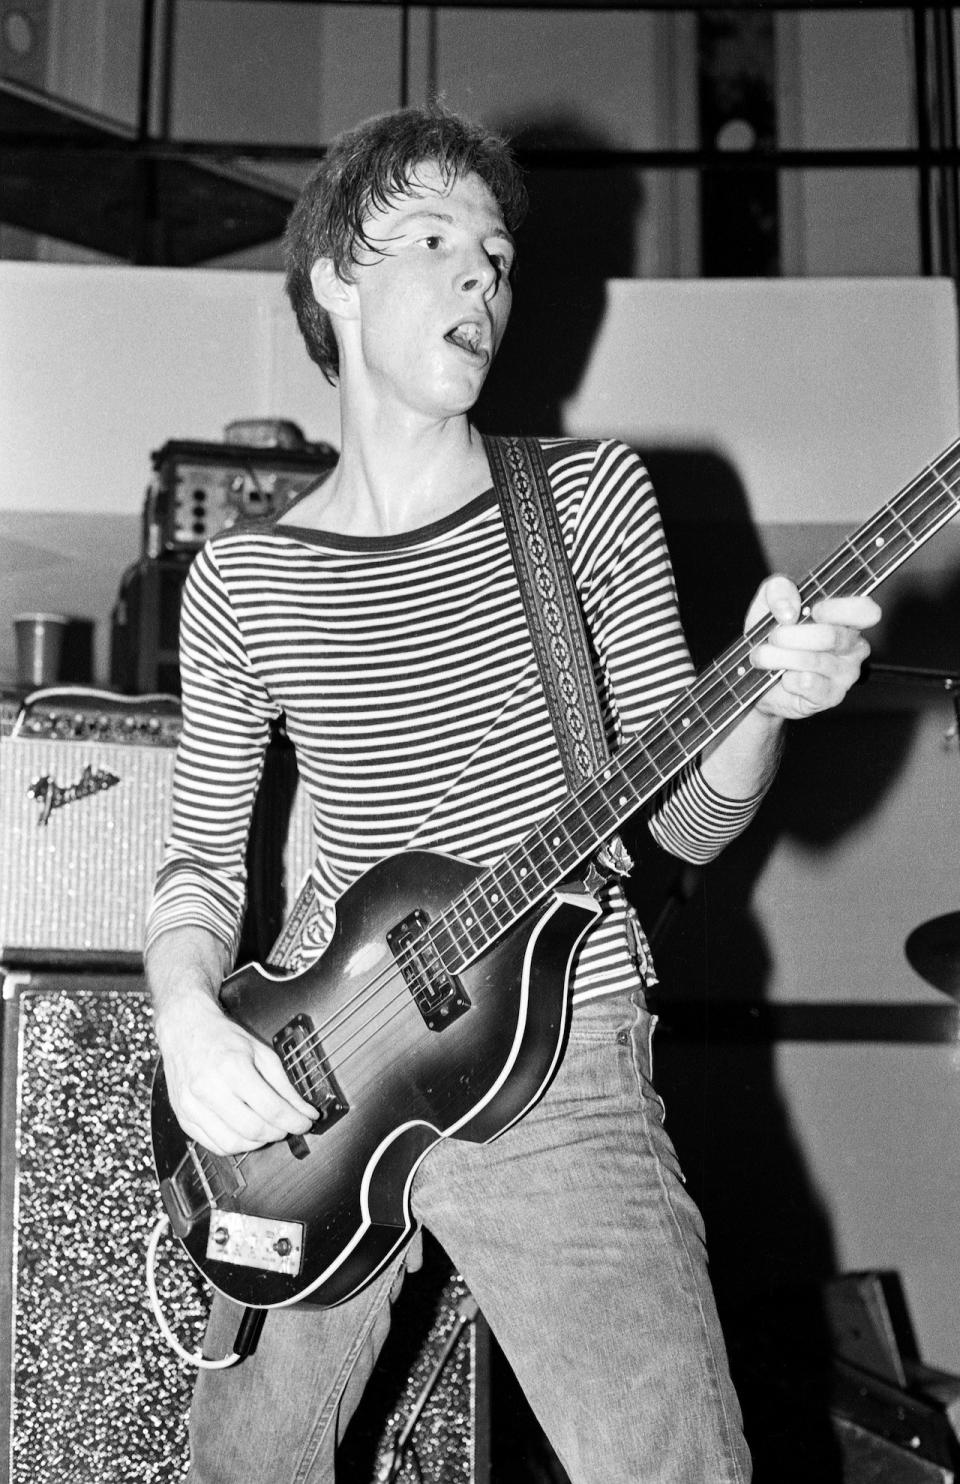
column 84, row 880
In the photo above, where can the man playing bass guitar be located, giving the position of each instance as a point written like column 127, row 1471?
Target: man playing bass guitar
column 381, row 615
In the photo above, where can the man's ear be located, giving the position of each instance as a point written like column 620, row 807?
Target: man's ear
column 332, row 293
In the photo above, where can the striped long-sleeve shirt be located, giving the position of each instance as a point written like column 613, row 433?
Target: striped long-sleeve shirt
column 404, row 669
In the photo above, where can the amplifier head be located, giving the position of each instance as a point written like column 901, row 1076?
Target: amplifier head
column 199, row 489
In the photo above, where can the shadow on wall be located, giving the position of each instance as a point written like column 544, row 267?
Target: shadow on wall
column 922, row 626
column 579, row 232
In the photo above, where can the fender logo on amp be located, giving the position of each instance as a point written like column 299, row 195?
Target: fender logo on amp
column 50, row 795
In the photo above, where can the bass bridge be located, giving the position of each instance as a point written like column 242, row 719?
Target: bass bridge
column 200, row 1182
column 437, row 994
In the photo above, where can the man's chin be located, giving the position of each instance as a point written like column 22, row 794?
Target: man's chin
column 462, row 393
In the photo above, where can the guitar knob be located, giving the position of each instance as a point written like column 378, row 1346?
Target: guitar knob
column 283, row 1247
column 221, row 1236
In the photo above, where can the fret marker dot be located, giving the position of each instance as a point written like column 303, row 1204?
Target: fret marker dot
column 741, row 669
column 555, row 840
column 623, row 798
column 879, row 541
column 805, row 610
column 523, row 870
column 468, row 921
column 686, row 721
column 494, row 896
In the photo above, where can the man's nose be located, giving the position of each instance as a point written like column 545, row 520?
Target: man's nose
column 480, row 273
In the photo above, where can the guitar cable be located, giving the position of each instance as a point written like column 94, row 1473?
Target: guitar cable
column 249, row 1329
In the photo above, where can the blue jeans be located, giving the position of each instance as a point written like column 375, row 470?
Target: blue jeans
column 585, row 1253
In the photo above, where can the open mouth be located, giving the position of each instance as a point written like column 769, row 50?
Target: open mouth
column 468, row 337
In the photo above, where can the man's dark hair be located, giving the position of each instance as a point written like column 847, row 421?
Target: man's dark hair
column 361, row 171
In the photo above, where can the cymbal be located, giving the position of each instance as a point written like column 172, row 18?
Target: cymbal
column 933, row 949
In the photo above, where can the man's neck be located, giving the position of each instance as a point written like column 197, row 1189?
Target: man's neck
column 397, row 477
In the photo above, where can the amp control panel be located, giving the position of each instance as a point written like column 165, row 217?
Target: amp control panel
column 82, row 714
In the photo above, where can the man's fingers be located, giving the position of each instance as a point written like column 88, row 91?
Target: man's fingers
column 236, row 1095
column 285, row 1097
column 228, row 1122
column 817, row 652
column 776, row 596
column 857, row 613
column 801, row 636
column 779, row 598
column 792, row 651
column 221, row 1135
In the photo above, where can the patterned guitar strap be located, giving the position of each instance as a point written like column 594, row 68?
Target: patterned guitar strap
column 555, row 619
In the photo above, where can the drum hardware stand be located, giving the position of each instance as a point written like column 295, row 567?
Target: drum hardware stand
column 933, row 948
column 947, row 681
column 467, row 1313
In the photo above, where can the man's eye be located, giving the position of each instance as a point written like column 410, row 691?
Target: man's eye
column 432, row 242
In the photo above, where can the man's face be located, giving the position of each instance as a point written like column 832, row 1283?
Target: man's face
column 433, row 294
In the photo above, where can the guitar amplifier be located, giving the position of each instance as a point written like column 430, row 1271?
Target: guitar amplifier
column 85, row 793
column 85, row 781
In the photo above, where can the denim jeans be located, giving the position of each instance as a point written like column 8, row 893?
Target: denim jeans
column 585, row 1253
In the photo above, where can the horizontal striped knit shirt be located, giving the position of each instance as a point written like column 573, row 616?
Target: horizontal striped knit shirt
column 404, row 669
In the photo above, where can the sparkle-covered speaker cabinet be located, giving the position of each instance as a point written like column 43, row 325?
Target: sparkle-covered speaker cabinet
column 89, row 1390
